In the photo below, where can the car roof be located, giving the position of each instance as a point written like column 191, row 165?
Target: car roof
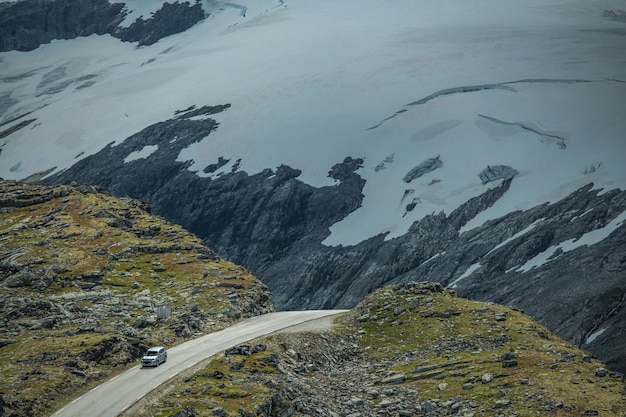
column 156, row 348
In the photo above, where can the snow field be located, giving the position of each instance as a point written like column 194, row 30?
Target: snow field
column 306, row 81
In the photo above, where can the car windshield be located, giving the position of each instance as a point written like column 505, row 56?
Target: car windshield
column 152, row 353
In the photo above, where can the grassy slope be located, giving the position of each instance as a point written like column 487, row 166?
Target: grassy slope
column 467, row 339
column 81, row 274
column 422, row 334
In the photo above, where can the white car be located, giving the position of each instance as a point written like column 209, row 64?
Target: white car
column 154, row 356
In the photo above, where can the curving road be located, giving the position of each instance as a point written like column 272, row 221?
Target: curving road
column 116, row 395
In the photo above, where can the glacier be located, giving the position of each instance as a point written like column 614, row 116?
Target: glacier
column 478, row 83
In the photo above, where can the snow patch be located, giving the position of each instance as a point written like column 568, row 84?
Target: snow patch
column 432, row 258
column 593, row 336
column 515, row 236
column 587, row 239
column 143, row 153
column 465, row 274
column 582, row 215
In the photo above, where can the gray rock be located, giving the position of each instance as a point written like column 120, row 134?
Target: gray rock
column 188, row 411
column 386, row 403
column 428, row 406
column 394, row 379
column 374, row 393
column 219, row 412
column 355, row 402
column 500, row 317
column 425, row 167
column 501, row 404
column 364, row 318
column 183, row 331
column 509, row 363
column 141, row 322
column 497, row 172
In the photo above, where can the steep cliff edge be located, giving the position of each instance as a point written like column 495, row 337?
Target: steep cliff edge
column 82, row 274
column 414, row 349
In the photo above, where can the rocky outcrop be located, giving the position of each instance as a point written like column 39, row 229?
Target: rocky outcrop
column 274, row 225
column 26, row 24
column 497, row 172
column 425, row 167
column 168, row 20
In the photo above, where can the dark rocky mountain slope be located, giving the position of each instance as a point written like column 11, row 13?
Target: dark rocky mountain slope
column 82, row 274
column 274, row 224
column 26, row 24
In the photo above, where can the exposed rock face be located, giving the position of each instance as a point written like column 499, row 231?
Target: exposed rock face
column 168, row 20
column 497, row 172
column 26, row 24
column 274, row 224
column 425, row 167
